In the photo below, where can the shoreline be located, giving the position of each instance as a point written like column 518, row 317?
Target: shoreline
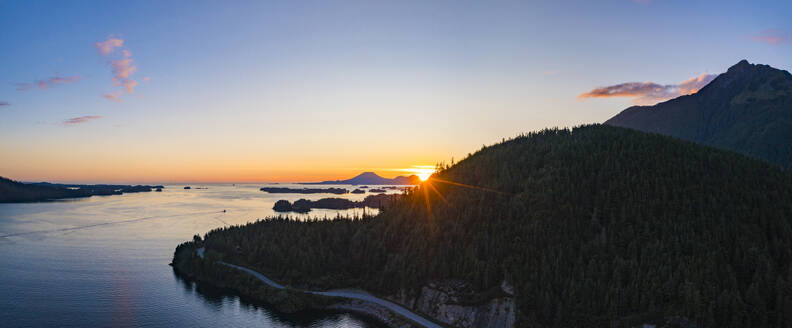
column 372, row 318
column 290, row 300
column 347, row 293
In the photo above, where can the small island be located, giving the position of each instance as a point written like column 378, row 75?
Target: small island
column 381, row 201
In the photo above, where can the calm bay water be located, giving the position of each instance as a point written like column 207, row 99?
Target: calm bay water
column 103, row 261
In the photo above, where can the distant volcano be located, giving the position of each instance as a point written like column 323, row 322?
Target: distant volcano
column 371, row 178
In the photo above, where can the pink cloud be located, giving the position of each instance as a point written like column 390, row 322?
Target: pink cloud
column 694, row 84
column 129, row 85
column 44, row 84
column 771, row 36
column 122, row 66
column 107, row 46
column 81, row 119
column 4, row 103
column 648, row 93
column 116, row 96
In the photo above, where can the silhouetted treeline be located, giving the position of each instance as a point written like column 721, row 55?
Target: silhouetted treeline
column 16, row 192
column 595, row 226
column 381, row 201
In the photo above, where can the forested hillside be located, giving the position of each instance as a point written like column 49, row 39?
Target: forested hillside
column 594, row 226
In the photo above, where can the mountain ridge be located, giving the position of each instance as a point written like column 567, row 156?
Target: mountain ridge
column 747, row 109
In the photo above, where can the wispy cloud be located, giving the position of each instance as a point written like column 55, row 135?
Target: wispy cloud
column 81, row 119
column 107, row 46
column 649, row 93
column 43, row 84
column 772, row 36
column 23, row 86
column 121, row 64
column 114, row 96
column 47, row 83
column 123, row 68
column 694, row 84
column 4, row 103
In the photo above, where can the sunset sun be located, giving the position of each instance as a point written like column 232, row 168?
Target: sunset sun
column 423, row 173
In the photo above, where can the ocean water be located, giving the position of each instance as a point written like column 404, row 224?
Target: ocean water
column 103, row 261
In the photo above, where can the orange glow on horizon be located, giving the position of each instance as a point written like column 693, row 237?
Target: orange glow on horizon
column 173, row 175
column 422, row 171
column 177, row 160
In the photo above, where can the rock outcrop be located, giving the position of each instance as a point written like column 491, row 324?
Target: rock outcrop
column 452, row 302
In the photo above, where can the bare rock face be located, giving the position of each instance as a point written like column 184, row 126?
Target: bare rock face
column 453, row 302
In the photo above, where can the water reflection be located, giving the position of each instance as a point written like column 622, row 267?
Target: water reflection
column 103, row 261
column 219, row 299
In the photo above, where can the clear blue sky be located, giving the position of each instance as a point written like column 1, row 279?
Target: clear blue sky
column 264, row 90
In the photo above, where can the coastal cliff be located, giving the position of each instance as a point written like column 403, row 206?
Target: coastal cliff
column 450, row 302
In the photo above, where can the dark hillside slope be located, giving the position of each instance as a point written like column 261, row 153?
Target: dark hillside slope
column 748, row 109
column 596, row 226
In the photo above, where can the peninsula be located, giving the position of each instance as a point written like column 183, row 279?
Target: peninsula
column 17, row 192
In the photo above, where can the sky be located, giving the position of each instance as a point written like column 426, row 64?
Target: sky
column 270, row 91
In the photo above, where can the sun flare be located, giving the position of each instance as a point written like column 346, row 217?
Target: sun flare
column 423, row 173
